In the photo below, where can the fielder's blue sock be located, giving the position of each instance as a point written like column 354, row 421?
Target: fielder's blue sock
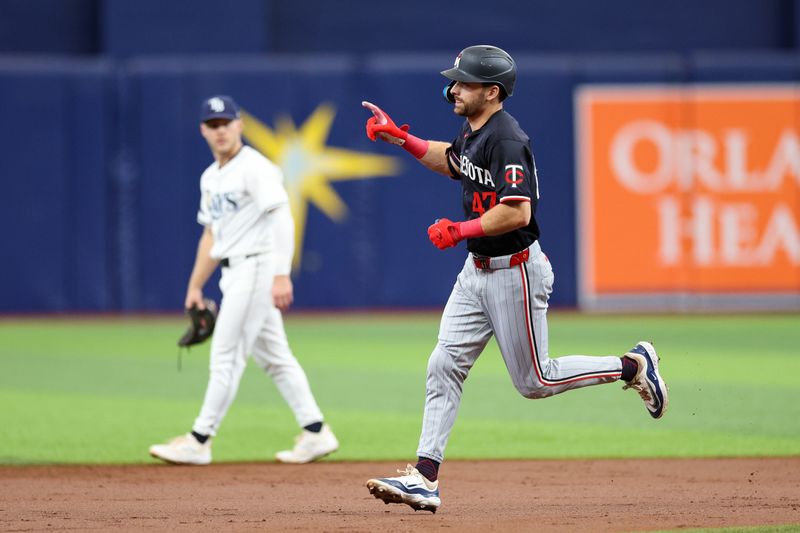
column 316, row 427
column 629, row 368
column 200, row 438
column 428, row 468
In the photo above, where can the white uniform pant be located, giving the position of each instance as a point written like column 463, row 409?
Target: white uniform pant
column 249, row 323
column 511, row 304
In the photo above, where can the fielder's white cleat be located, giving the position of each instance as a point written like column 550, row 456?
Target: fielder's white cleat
column 309, row 446
column 183, row 450
column 412, row 488
column 647, row 381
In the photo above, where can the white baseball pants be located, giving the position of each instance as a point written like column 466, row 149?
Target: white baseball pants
column 509, row 302
column 249, row 323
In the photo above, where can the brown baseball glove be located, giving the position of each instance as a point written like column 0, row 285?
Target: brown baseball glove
column 202, row 324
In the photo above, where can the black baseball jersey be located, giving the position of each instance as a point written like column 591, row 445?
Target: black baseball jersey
column 495, row 164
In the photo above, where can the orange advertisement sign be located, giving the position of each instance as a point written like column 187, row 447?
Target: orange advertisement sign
column 688, row 190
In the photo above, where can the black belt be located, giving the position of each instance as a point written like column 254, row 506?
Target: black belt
column 225, row 263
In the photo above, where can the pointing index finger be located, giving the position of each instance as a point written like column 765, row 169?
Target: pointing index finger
column 377, row 111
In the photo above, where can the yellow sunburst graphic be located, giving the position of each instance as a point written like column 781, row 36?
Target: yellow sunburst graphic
column 309, row 166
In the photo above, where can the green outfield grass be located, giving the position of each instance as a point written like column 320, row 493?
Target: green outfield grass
column 102, row 391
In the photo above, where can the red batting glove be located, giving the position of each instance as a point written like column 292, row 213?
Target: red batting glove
column 380, row 122
column 445, row 233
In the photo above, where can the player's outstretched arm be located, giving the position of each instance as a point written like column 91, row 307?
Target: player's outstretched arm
column 429, row 153
column 436, row 157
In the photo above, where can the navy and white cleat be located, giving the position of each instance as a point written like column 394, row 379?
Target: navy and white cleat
column 412, row 488
column 648, row 382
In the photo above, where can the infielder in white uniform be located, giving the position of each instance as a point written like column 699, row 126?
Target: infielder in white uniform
column 248, row 229
column 505, row 284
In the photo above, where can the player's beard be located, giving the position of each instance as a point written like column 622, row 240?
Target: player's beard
column 472, row 108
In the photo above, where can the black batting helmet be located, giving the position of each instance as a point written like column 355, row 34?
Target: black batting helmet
column 483, row 63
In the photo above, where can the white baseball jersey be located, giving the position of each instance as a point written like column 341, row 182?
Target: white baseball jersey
column 235, row 200
column 246, row 206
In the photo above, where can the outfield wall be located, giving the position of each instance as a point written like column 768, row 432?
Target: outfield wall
column 122, row 28
column 102, row 159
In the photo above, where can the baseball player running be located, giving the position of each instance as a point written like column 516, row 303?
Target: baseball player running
column 248, row 229
column 506, row 280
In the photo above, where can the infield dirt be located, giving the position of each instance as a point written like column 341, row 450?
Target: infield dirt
column 531, row 495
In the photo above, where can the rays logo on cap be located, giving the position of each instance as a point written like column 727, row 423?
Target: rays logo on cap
column 216, row 105
column 219, row 106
